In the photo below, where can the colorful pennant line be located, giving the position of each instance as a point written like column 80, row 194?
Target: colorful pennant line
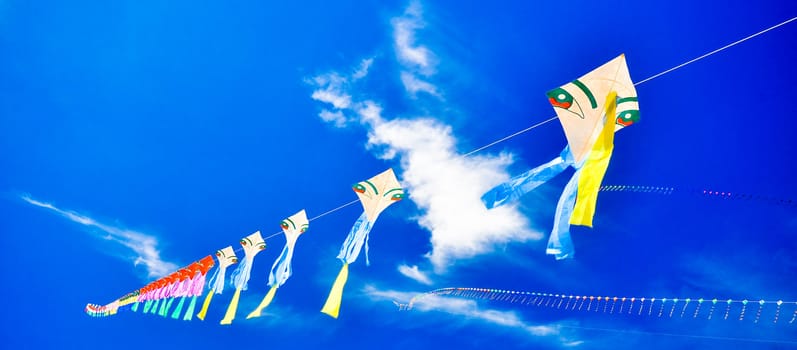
column 704, row 192
column 640, row 306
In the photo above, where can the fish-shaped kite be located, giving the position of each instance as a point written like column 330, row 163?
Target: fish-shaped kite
column 226, row 257
column 591, row 109
column 375, row 195
column 293, row 227
column 252, row 244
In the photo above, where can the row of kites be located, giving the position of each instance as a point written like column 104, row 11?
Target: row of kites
column 591, row 109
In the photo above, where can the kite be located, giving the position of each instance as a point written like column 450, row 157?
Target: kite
column 293, row 227
column 226, row 258
column 659, row 307
column 375, row 195
column 591, row 109
column 252, row 244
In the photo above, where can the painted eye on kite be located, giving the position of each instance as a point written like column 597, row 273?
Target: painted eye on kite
column 304, row 228
column 261, row 246
column 626, row 118
column 284, row 225
column 234, row 260
column 359, row 188
column 243, row 242
column 218, row 254
column 560, row 98
column 397, row 196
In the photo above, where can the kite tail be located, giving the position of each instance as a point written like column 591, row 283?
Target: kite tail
column 240, row 277
column 147, row 305
column 216, row 281
column 595, row 168
column 281, row 270
column 134, row 308
column 332, row 305
column 197, row 286
column 179, row 309
column 189, row 314
column 205, row 305
column 263, row 304
column 166, row 306
column 230, row 314
column 559, row 243
column 524, row 183
column 155, row 306
column 353, row 244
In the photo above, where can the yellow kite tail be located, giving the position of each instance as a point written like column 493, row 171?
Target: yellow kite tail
column 332, row 306
column 205, row 305
column 595, row 167
column 263, row 304
column 230, row 315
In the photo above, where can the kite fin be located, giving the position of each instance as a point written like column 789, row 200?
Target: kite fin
column 165, row 307
column 332, row 306
column 147, row 306
column 134, row 308
column 595, row 168
column 179, row 309
column 230, row 315
column 154, row 308
column 205, row 305
column 263, row 304
column 189, row 314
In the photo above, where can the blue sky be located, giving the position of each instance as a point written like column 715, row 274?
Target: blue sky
column 139, row 136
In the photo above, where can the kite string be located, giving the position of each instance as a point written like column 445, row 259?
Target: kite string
column 555, row 117
column 643, row 81
column 717, row 50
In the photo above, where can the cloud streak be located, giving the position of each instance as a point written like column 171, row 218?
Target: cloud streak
column 143, row 245
column 415, row 274
column 470, row 310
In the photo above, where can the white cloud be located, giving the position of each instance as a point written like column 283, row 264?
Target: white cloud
column 448, row 188
column 332, row 96
column 468, row 309
column 410, row 54
column 336, row 117
column 362, row 70
column 143, row 245
column 415, row 274
column 413, row 85
column 445, row 185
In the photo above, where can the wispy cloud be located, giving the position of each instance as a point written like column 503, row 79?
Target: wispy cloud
column 416, row 60
column 413, row 85
column 471, row 311
column 409, row 53
column 143, row 245
column 445, row 185
column 415, row 274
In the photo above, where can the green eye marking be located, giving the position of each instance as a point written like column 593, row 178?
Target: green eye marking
column 560, row 98
column 627, row 99
column 584, row 88
column 396, row 196
column 392, row 190
column 372, row 186
column 304, row 228
column 290, row 221
column 626, row 118
column 358, row 188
